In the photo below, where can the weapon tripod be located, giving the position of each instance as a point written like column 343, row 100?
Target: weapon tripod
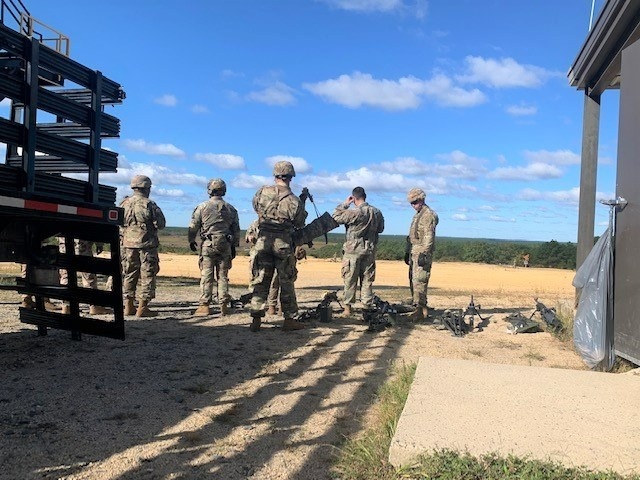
column 454, row 320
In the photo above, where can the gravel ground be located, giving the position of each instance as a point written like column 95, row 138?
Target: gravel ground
column 186, row 397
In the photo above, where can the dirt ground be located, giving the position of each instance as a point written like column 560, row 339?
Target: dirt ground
column 195, row 398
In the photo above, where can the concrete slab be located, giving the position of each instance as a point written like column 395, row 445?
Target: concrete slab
column 579, row 418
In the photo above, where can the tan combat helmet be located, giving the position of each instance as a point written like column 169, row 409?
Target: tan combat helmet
column 217, row 185
column 416, row 195
column 283, row 168
column 141, row 182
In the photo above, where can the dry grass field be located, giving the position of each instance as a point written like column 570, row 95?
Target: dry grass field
column 187, row 397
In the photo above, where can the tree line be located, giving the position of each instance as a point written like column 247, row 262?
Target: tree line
column 551, row 254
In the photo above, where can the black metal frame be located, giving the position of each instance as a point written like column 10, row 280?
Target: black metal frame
column 33, row 76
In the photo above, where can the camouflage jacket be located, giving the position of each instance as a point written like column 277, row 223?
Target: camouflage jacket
column 215, row 218
column 422, row 233
column 364, row 224
column 278, row 209
column 142, row 220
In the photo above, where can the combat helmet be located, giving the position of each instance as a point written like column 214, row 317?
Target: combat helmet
column 141, row 181
column 217, row 185
column 415, row 195
column 283, row 168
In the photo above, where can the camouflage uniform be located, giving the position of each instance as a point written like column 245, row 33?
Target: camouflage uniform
column 251, row 237
column 217, row 224
column 422, row 235
column 82, row 247
column 141, row 262
column 280, row 212
column 363, row 225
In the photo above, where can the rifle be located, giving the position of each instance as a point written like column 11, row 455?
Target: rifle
column 548, row 315
column 381, row 316
column 408, row 261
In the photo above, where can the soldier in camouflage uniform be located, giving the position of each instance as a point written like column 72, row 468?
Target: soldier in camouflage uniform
column 216, row 223
column 422, row 236
column 280, row 212
column 141, row 263
column 251, row 237
column 89, row 279
column 364, row 224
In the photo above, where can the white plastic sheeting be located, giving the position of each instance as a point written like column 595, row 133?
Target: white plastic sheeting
column 591, row 327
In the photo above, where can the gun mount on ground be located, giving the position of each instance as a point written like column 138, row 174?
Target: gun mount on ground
column 383, row 315
column 454, row 320
column 548, row 315
column 322, row 312
column 518, row 323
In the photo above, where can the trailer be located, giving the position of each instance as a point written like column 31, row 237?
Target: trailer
column 49, row 183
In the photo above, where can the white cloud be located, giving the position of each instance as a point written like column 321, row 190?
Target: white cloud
column 459, row 217
column 487, row 208
column 496, row 218
column 361, row 89
column 167, row 100
column 521, row 110
column 559, row 157
column 417, row 7
column 503, row 73
column 245, row 180
column 276, row 94
column 366, row 5
column 159, row 175
column 299, row 164
column 171, row 193
column 199, row 109
column 533, row 171
column 225, row 161
column 571, row 196
column 461, row 166
column 153, row 148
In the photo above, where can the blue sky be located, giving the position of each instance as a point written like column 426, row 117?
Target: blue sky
column 467, row 99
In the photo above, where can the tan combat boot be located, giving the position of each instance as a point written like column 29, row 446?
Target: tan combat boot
column 202, row 311
column 27, row 302
column 256, row 320
column 66, row 309
column 129, row 307
column 290, row 324
column 417, row 315
column 347, row 310
column 143, row 310
column 50, row 306
column 271, row 310
column 99, row 310
column 224, row 308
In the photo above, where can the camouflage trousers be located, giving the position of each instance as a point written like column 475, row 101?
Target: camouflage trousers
column 359, row 268
column 273, row 256
column 82, row 247
column 420, row 276
column 214, row 259
column 274, row 291
column 140, row 266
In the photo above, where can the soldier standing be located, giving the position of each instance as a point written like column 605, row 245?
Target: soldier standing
column 422, row 235
column 141, row 263
column 218, row 225
column 364, row 224
column 89, row 279
column 280, row 212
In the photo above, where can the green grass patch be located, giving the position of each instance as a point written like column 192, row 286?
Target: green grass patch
column 366, row 456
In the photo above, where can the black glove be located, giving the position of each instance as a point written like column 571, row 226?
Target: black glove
column 422, row 260
column 193, row 246
column 407, row 258
column 305, row 194
column 99, row 248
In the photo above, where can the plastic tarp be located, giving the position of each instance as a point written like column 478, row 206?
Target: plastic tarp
column 591, row 327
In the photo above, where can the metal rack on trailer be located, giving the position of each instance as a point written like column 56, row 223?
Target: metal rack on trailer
column 54, row 132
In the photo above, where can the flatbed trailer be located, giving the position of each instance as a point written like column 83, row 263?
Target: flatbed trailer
column 49, row 183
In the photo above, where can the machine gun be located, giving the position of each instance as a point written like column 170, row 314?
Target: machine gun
column 548, row 315
column 454, row 319
column 381, row 316
column 322, row 311
column 242, row 301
